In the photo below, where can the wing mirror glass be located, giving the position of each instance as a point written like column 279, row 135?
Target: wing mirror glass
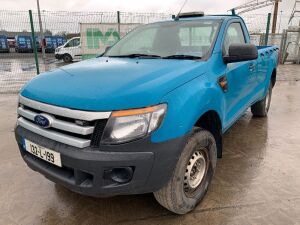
column 240, row 53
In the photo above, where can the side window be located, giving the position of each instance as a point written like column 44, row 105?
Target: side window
column 76, row 42
column 234, row 35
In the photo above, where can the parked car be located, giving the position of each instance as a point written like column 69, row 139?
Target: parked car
column 149, row 114
column 69, row 51
column 23, row 44
column 4, row 44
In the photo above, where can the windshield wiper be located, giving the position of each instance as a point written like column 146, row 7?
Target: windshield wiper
column 182, row 57
column 137, row 55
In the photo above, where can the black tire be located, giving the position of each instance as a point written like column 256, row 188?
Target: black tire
column 67, row 58
column 176, row 195
column 261, row 108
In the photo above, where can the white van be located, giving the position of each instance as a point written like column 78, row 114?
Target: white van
column 70, row 51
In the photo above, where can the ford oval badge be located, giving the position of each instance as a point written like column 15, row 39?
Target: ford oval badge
column 42, row 121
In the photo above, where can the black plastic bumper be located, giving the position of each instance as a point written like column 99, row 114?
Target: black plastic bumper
column 59, row 57
column 84, row 170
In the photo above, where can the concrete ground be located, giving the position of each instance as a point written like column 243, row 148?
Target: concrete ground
column 257, row 181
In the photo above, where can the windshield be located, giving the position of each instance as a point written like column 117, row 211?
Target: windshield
column 168, row 39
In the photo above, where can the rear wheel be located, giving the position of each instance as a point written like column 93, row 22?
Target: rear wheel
column 67, row 58
column 192, row 175
column 261, row 108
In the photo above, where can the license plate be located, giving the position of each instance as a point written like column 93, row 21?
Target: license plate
column 43, row 153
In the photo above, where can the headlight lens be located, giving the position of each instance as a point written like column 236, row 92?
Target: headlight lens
column 128, row 125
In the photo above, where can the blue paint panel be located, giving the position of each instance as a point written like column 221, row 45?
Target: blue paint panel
column 98, row 85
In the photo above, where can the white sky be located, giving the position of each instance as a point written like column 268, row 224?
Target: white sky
column 169, row 6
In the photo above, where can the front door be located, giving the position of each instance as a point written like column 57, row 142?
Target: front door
column 241, row 76
column 73, row 47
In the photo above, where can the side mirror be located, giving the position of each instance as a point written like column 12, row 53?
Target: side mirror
column 240, row 53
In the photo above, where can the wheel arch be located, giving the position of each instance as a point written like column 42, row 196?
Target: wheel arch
column 211, row 121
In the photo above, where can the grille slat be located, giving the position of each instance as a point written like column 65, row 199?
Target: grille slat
column 56, row 136
column 66, row 112
column 63, row 129
column 58, row 124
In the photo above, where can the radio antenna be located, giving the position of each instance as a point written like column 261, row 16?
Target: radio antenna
column 177, row 17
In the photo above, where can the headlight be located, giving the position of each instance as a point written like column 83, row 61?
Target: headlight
column 128, row 125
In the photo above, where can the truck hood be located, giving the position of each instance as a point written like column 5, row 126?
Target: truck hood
column 103, row 84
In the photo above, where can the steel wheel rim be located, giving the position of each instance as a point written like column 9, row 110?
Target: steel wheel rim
column 195, row 172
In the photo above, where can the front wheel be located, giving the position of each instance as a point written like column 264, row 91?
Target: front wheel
column 67, row 58
column 261, row 108
column 192, row 175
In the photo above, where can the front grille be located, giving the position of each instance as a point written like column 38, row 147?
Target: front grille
column 65, row 122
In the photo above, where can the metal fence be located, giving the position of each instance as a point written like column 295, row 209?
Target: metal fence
column 18, row 66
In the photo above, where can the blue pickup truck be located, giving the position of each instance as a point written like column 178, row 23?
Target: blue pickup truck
column 148, row 115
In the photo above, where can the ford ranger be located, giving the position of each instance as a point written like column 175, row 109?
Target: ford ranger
column 149, row 114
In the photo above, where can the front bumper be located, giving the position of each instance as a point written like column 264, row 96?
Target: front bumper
column 83, row 170
column 58, row 56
